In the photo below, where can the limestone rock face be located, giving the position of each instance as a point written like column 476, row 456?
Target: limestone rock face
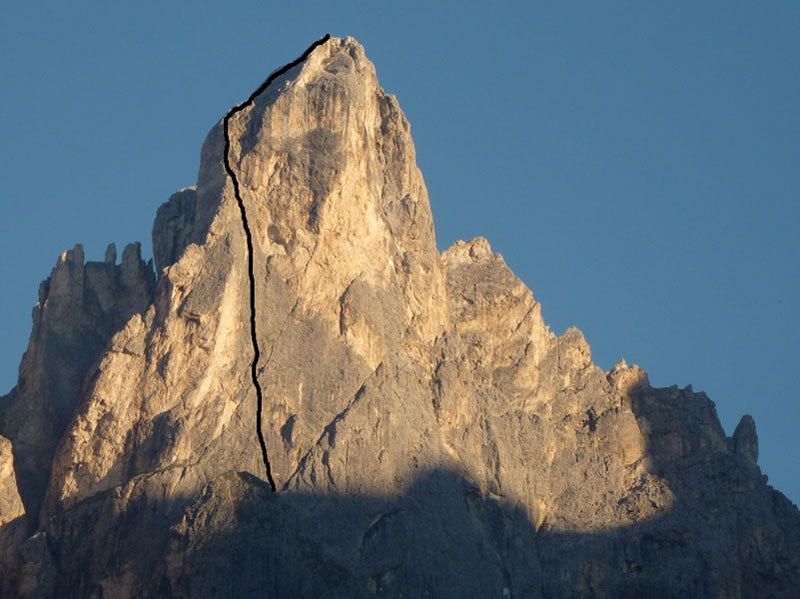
column 81, row 306
column 173, row 226
column 428, row 433
column 745, row 440
column 10, row 503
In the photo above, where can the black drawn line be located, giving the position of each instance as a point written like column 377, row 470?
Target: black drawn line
column 249, row 237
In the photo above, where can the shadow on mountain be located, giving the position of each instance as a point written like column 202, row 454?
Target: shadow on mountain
column 81, row 306
column 727, row 535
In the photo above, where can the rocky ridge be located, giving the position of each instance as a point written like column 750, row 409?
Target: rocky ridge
column 429, row 435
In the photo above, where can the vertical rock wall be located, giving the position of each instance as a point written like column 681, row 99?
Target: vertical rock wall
column 429, row 434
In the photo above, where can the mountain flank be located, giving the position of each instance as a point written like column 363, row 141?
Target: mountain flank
column 426, row 432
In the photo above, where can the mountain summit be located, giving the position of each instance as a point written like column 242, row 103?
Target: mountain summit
column 427, row 434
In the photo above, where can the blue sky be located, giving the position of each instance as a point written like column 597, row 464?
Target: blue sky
column 636, row 163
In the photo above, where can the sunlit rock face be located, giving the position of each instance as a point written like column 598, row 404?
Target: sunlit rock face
column 429, row 435
column 81, row 306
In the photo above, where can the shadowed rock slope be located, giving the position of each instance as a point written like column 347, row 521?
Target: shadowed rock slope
column 429, row 435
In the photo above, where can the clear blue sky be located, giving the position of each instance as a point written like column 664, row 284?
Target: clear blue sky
column 636, row 163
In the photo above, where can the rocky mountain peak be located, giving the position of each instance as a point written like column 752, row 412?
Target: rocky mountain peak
column 428, row 434
column 346, row 271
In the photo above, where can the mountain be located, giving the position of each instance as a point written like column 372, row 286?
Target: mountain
column 425, row 432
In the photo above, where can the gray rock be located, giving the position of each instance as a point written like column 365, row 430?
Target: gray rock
column 111, row 254
column 10, row 503
column 745, row 440
column 81, row 306
column 173, row 227
column 428, row 433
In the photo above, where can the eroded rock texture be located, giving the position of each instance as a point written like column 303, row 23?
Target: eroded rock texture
column 429, row 434
column 81, row 306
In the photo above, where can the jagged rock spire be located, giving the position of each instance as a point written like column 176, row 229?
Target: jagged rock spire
column 427, row 432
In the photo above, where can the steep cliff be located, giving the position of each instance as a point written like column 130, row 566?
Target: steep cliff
column 427, row 433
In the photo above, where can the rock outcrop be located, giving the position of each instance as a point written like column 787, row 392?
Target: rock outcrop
column 81, row 306
column 429, row 435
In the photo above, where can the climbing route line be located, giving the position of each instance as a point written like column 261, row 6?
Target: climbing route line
column 249, row 237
